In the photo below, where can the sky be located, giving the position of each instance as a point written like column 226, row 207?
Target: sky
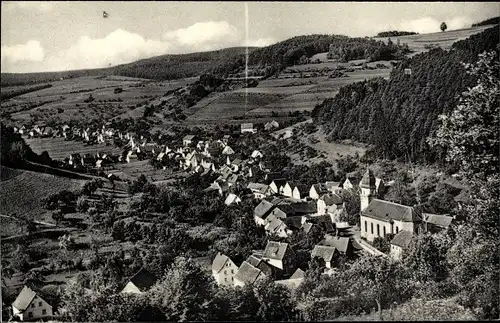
column 63, row 35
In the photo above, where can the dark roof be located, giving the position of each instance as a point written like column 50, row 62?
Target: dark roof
column 271, row 176
column 340, row 243
column 275, row 250
column 402, row 239
column 143, row 280
column 331, row 199
column 219, row 262
column 294, row 222
column 325, row 252
column 443, row 221
column 247, row 273
column 253, row 260
column 279, row 182
column 386, row 211
column 263, row 209
column 332, row 185
column 368, row 180
column 24, row 298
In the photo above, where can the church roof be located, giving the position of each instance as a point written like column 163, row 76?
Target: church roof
column 387, row 211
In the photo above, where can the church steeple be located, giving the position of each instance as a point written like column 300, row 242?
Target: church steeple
column 368, row 189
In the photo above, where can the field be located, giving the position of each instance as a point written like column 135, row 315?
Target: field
column 59, row 149
column 417, row 43
column 23, row 191
column 65, row 100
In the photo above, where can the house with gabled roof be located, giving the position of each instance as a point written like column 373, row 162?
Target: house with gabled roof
column 268, row 270
column 436, row 222
column 317, row 190
column 351, row 182
column 30, row 306
column 247, row 274
column 276, row 226
column 330, row 204
column 400, row 243
column 259, row 190
column 343, row 245
column 280, row 255
column 141, row 282
column 248, row 127
column 277, row 185
column 227, row 151
column 327, row 253
column 262, row 211
column 232, row 198
column 334, row 187
column 224, row 270
column 294, row 281
column 294, row 189
column 381, row 217
column 188, row 140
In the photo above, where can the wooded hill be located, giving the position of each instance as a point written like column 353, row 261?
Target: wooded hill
column 290, row 52
column 397, row 115
column 164, row 67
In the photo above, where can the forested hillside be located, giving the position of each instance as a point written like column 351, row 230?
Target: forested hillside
column 164, row 67
column 491, row 21
column 398, row 115
column 294, row 50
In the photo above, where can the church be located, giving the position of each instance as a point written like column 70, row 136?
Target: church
column 380, row 218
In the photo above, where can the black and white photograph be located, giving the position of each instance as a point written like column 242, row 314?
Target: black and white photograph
column 172, row 161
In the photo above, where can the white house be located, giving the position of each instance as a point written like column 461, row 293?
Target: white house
column 400, row 243
column 188, row 140
column 277, row 185
column 248, row 127
column 329, row 204
column 30, row 306
column 232, row 198
column 223, row 270
column 317, row 190
column 227, row 151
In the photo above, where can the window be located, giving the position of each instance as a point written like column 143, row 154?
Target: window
column 378, row 230
column 232, row 278
column 384, row 230
column 366, row 227
column 225, row 272
column 232, row 271
column 39, row 304
column 30, row 314
column 33, row 305
column 44, row 312
column 397, row 229
column 371, row 225
column 225, row 279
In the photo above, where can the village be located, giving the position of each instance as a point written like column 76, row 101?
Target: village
column 284, row 207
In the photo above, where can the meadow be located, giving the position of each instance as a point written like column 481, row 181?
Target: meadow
column 59, row 149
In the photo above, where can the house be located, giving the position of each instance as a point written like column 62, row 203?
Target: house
column 330, row 204
column 277, row 185
column 294, row 281
column 232, row 198
column 295, row 190
column 280, row 255
column 188, row 140
column 30, row 306
column 268, row 270
column 435, row 222
column 271, row 125
column 288, row 133
column 399, row 243
column 227, row 151
column 326, row 253
column 140, row 282
column 247, row 274
column 317, row 190
column 256, row 154
column 382, row 217
column 223, row 270
column 276, row 226
column 248, row 127
column 334, row 187
column 259, row 190
column 262, row 211
column 343, row 244
column 351, row 183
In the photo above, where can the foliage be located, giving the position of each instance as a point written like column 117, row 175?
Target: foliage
column 382, row 244
column 352, row 207
column 395, row 33
column 491, row 21
column 90, row 187
column 443, row 26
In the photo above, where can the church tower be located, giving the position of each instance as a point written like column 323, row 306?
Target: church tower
column 368, row 189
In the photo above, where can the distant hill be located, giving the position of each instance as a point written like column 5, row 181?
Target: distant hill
column 397, row 116
column 491, row 21
column 164, row 67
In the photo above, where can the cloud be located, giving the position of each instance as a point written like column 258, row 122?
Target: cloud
column 207, row 35
column 121, row 47
column 430, row 25
column 118, row 47
column 261, row 42
column 43, row 6
column 31, row 51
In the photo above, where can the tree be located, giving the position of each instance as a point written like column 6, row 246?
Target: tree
column 275, row 302
column 34, row 279
column 469, row 132
column 186, row 293
column 443, row 26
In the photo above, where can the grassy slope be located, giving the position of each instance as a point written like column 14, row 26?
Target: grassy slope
column 23, row 191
